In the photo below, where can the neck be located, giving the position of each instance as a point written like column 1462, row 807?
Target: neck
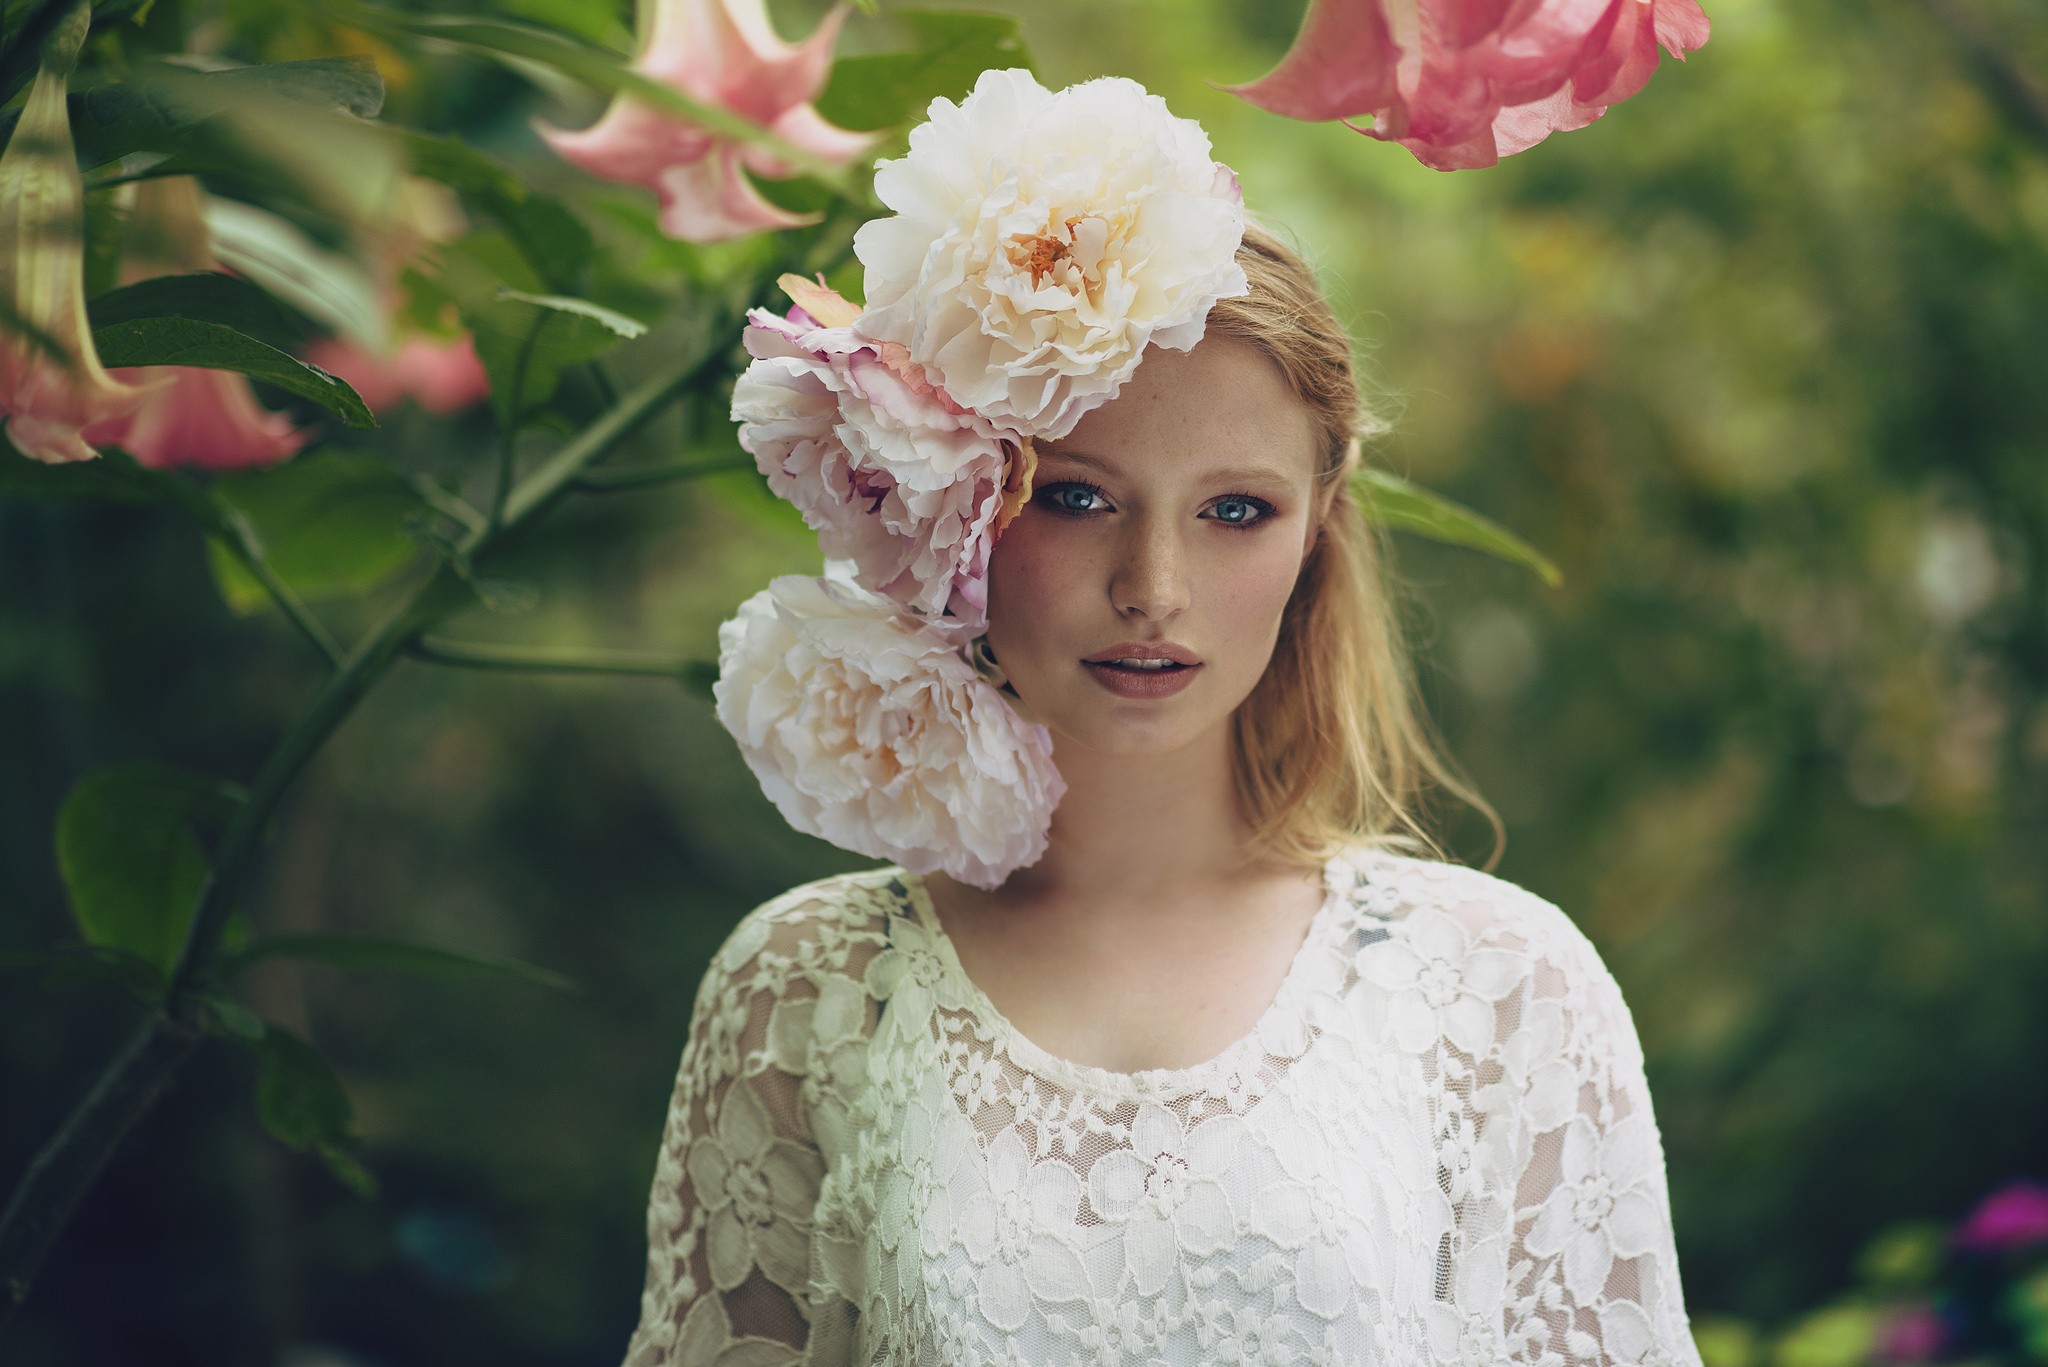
column 1131, row 824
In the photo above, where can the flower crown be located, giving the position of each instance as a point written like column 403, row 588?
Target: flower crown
column 1041, row 241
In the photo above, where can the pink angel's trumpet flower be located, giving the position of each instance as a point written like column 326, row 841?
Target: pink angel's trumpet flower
column 385, row 364
column 52, row 385
column 204, row 419
column 721, row 52
column 1463, row 83
column 441, row 374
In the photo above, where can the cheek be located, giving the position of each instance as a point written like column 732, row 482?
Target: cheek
column 1032, row 577
column 1249, row 591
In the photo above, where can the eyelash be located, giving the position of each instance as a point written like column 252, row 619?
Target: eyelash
column 1265, row 510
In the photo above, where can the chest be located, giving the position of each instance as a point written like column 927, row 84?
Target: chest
column 1271, row 1211
column 1138, row 997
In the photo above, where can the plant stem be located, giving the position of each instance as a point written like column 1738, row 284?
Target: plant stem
column 515, row 409
column 639, row 477
column 67, row 1166
column 483, row 655
column 241, row 543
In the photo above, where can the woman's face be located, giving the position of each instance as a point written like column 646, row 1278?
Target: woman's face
column 1177, row 514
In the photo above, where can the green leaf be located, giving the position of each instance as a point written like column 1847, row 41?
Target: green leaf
column 130, row 862
column 948, row 51
column 163, row 107
column 617, row 322
column 359, row 952
column 303, row 1105
column 1395, row 503
column 226, row 1016
column 552, row 241
column 330, row 523
column 216, row 346
column 278, row 255
column 206, row 297
column 518, row 328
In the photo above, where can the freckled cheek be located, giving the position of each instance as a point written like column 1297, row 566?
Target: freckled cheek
column 1039, row 586
column 1246, row 599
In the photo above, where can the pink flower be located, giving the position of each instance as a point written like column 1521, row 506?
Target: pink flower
column 720, row 52
column 443, row 375
column 52, row 384
column 203, row 419
column 1462, row 83
column 1914, row 1334
column 2014, row 1216
column 890, row 473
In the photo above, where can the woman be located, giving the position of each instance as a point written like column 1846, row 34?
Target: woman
column 1204, row 1071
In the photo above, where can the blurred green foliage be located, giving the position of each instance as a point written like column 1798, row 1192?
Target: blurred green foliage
column 1754, row 359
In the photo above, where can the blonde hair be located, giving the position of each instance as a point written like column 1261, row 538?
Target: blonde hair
column 1332, row 747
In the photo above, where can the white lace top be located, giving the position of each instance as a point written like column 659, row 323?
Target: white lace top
column 1436, row 1147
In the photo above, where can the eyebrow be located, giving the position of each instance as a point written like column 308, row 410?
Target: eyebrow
column 1246, row 473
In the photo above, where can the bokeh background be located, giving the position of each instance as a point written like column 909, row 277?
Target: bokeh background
column 1757, row 359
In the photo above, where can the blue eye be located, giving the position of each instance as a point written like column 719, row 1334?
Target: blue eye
column 1241, row 510
column 1070, row 497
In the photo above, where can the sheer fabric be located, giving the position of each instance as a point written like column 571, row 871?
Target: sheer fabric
column 1436, row 1147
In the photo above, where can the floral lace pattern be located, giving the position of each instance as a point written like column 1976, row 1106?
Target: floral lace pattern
column 1435, row 1147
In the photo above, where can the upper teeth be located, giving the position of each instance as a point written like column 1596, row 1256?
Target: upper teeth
column 1144, row 664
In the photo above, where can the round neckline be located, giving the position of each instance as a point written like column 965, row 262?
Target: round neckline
column 1030, row 1055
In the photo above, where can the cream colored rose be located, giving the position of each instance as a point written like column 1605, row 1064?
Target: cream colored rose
column 1043, row 239
column 868, row 729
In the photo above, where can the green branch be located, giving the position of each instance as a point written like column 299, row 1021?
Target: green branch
column 72, row 1160
column 639, row 477
column 242, row 544
column 484, row 655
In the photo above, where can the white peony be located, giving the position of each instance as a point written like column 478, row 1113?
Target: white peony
column 912, row 490
column 866, row 728
column 1042, row 239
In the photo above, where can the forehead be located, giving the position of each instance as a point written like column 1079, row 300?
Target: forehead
column 1222, row 404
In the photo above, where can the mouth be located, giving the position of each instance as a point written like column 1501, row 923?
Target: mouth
column 1138, row 669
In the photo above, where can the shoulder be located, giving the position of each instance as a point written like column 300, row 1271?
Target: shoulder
column 815, row 929
column 1487, row 911
column 1461, row 938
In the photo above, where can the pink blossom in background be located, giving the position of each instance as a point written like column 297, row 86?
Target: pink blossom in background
column 47, row 399
column 720, row 52
column 1463, row 83
column 442, row 375
column 1914, row 1334
column 2014, row 1216
column 202, row 420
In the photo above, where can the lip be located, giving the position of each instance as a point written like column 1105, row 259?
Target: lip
column 1145, row 650
column 1131, row 683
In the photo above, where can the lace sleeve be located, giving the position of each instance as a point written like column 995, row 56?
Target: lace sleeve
column 1561, row 1251
column 737, row 1175
column 1582, row 1222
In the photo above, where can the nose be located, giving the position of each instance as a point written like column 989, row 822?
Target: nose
column 1150, row 580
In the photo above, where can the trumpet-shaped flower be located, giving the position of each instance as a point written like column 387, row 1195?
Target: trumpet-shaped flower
column 441, row 374
column 52, row 384
column 201, row 418
column 1462, row 83
column 720, row 52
